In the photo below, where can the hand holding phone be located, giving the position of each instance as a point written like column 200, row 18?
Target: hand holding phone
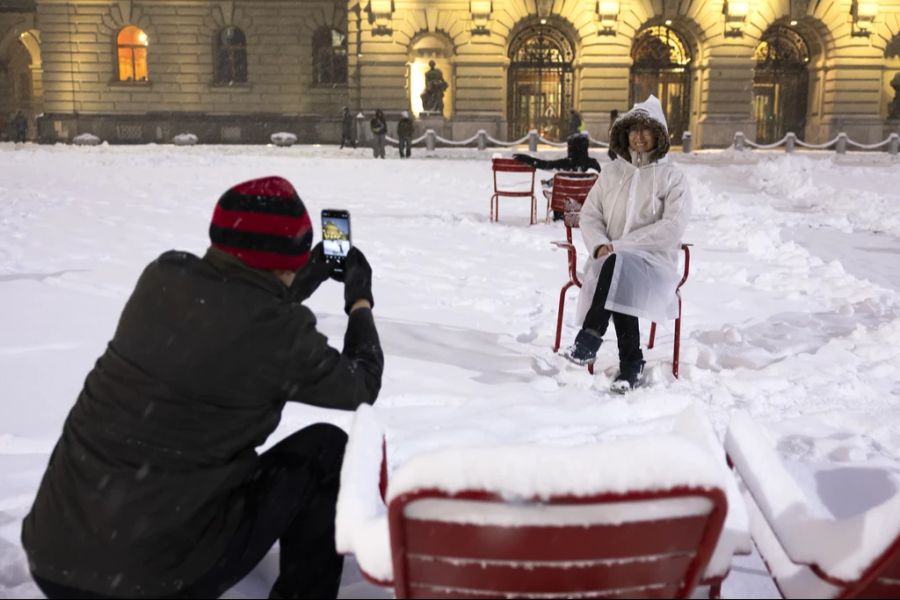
column 336, row 237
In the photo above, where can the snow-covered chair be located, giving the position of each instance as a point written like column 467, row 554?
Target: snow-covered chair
column 811, row 556
column 640, row 515
column 503, row 188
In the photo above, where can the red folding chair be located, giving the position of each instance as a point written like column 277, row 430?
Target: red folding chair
column 572, row 217
column 511, row 165
column 482, row 543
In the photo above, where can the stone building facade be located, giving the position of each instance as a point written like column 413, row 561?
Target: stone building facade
column 235, row 71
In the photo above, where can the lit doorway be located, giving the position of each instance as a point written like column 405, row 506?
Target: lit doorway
column 660, row 66
column 780, row 84
column 541, row 82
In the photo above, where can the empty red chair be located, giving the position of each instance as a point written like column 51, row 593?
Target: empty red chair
column 508, row 189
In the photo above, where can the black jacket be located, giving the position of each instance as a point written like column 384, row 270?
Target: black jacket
column 142, row 491
column 378, row 125
column 405, row 128
column 577, row 157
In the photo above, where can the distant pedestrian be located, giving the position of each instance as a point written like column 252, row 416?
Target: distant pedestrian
column 348, row 128
column 576, row 123
column 379, row 131
column 404, row 134
column 20, row 127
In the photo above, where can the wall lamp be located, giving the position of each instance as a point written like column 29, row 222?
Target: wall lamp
column 607, row 16
column 382, row 12
column 735, row 14
column 863, row 13
column 481, row 15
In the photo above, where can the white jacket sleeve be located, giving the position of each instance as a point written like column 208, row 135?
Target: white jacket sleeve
column 593, row 221
column 666, row 233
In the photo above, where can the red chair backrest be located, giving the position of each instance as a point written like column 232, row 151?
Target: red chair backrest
column 511, row 165
column 571, row 187
column 639, row 556
column 509, row 187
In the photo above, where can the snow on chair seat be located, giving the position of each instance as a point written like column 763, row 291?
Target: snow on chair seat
column 811, row 556
column 637, row 517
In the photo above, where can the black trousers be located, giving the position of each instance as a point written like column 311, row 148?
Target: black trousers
column 405, row 145
column 628, row 330
column 290, row 499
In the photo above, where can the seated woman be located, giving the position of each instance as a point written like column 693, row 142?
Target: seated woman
column 577, row 159
column 632, row 223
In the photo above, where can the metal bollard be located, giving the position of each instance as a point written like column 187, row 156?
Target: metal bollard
column 430, row 140
column 482, row 139
column 790, row 141
column 532, row 140
column 686, row 142
column 739, row 140
column 893, row 144
column 841, row 145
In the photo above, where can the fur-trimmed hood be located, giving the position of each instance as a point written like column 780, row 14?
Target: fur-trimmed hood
column 649, row 113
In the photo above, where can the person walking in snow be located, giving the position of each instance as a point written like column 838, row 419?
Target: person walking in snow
column 348, row 128
column 379, row 131
column 155, row 488
column 404, row 134
column 632, row 223
column 576, row 159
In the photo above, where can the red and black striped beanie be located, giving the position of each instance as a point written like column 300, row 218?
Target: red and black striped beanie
column 264, row 223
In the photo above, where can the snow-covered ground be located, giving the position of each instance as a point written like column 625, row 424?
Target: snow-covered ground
column 792, row 310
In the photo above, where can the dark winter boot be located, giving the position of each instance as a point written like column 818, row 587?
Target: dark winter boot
column 629, row 376
column 584, row 350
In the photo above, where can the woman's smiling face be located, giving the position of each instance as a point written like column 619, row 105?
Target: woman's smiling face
column 641, row 138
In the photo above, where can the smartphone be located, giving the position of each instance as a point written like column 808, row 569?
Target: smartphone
column 336, row 236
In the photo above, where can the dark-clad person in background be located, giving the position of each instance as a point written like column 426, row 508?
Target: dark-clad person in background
column 20, row 127
column 155, row 488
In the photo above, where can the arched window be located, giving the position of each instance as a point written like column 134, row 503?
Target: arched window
column 231, row 56
column 329, row 56
column 780, row 84
column 132, row 51
column 661, row 66
column 540, row 82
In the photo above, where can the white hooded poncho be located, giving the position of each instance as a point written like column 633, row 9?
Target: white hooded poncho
column 643, row 211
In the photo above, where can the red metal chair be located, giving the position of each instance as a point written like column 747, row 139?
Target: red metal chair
column 645, row 556
column 511, row 165
column 571, row 219
column 569, row 187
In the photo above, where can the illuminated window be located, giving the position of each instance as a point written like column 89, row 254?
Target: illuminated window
column 329, row 56
column 132, row 48
column 231, row 56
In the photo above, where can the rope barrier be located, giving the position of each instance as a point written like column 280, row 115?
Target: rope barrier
column 766, row 146
column 494, row 140
column 869, row 146
column 551, row 143
column 452, row 143
column 824, row 146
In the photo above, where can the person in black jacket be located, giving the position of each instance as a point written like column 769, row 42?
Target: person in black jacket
column 576, row 159
column 379, row 132
column 404, row 134
column 155, row 488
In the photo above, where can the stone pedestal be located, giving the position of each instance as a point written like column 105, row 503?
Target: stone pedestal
column 436, row 122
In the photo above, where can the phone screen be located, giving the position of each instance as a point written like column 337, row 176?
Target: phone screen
column 335, row 234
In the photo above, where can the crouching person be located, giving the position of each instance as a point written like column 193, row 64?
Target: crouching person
column 155, row 488
column 632, row 223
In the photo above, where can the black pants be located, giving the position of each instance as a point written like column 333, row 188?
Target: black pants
column 290, row 499
column 597, row 320
column 347, row 141
column 405, row 145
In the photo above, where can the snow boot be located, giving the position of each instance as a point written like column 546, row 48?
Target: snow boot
column 629, row 376
column 584, row 350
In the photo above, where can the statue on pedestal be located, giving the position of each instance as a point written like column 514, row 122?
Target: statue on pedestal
column 435, row 86
column 894, row 112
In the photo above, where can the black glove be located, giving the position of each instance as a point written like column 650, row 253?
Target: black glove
column 524, row 158
column 311, row 275
column 357, row 279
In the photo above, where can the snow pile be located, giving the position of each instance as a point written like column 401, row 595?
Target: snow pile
column 185, row 139
column 86, row 139
column 842, row 548
column 284, row 139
